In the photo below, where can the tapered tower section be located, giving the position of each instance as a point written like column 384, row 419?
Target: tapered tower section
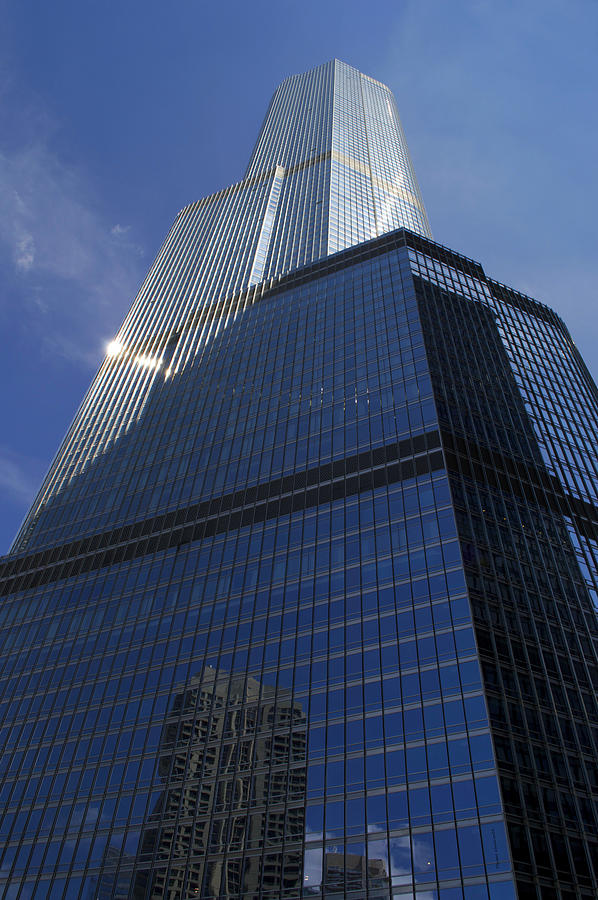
column 330, row 169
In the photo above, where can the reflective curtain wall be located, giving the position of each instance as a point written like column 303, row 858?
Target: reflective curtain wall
column 276, row 692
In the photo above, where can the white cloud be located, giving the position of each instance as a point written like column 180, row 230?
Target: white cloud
column 118, row 230
column 73, row 274
column 15, row 481
column 119, row 233
column 24, row 254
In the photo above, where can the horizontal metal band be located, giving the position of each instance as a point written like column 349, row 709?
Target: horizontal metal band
column 488, row 466
column 269, row 500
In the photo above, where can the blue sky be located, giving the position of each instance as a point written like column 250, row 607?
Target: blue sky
column 114, row 115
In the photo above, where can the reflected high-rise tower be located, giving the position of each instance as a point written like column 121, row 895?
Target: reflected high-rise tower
column 306, row 605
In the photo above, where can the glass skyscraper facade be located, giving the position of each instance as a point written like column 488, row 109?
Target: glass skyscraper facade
column 306, row 605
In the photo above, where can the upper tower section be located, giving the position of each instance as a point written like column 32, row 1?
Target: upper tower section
column 297, row 129
column 338, row 135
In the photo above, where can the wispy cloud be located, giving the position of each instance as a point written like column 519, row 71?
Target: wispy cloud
column 15, row 481
column 501, row 136
column 74, row 273
column 24, row 254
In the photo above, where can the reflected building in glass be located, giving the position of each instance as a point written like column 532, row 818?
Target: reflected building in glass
column 219, row 752
column 306, row 605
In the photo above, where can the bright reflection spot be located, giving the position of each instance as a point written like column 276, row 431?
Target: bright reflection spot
column 113, row 348
column 148, row 362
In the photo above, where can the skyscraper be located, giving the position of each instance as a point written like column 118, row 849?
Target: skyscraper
column 306, row 605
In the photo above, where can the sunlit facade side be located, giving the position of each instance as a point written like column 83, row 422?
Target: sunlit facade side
column 310, row 609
